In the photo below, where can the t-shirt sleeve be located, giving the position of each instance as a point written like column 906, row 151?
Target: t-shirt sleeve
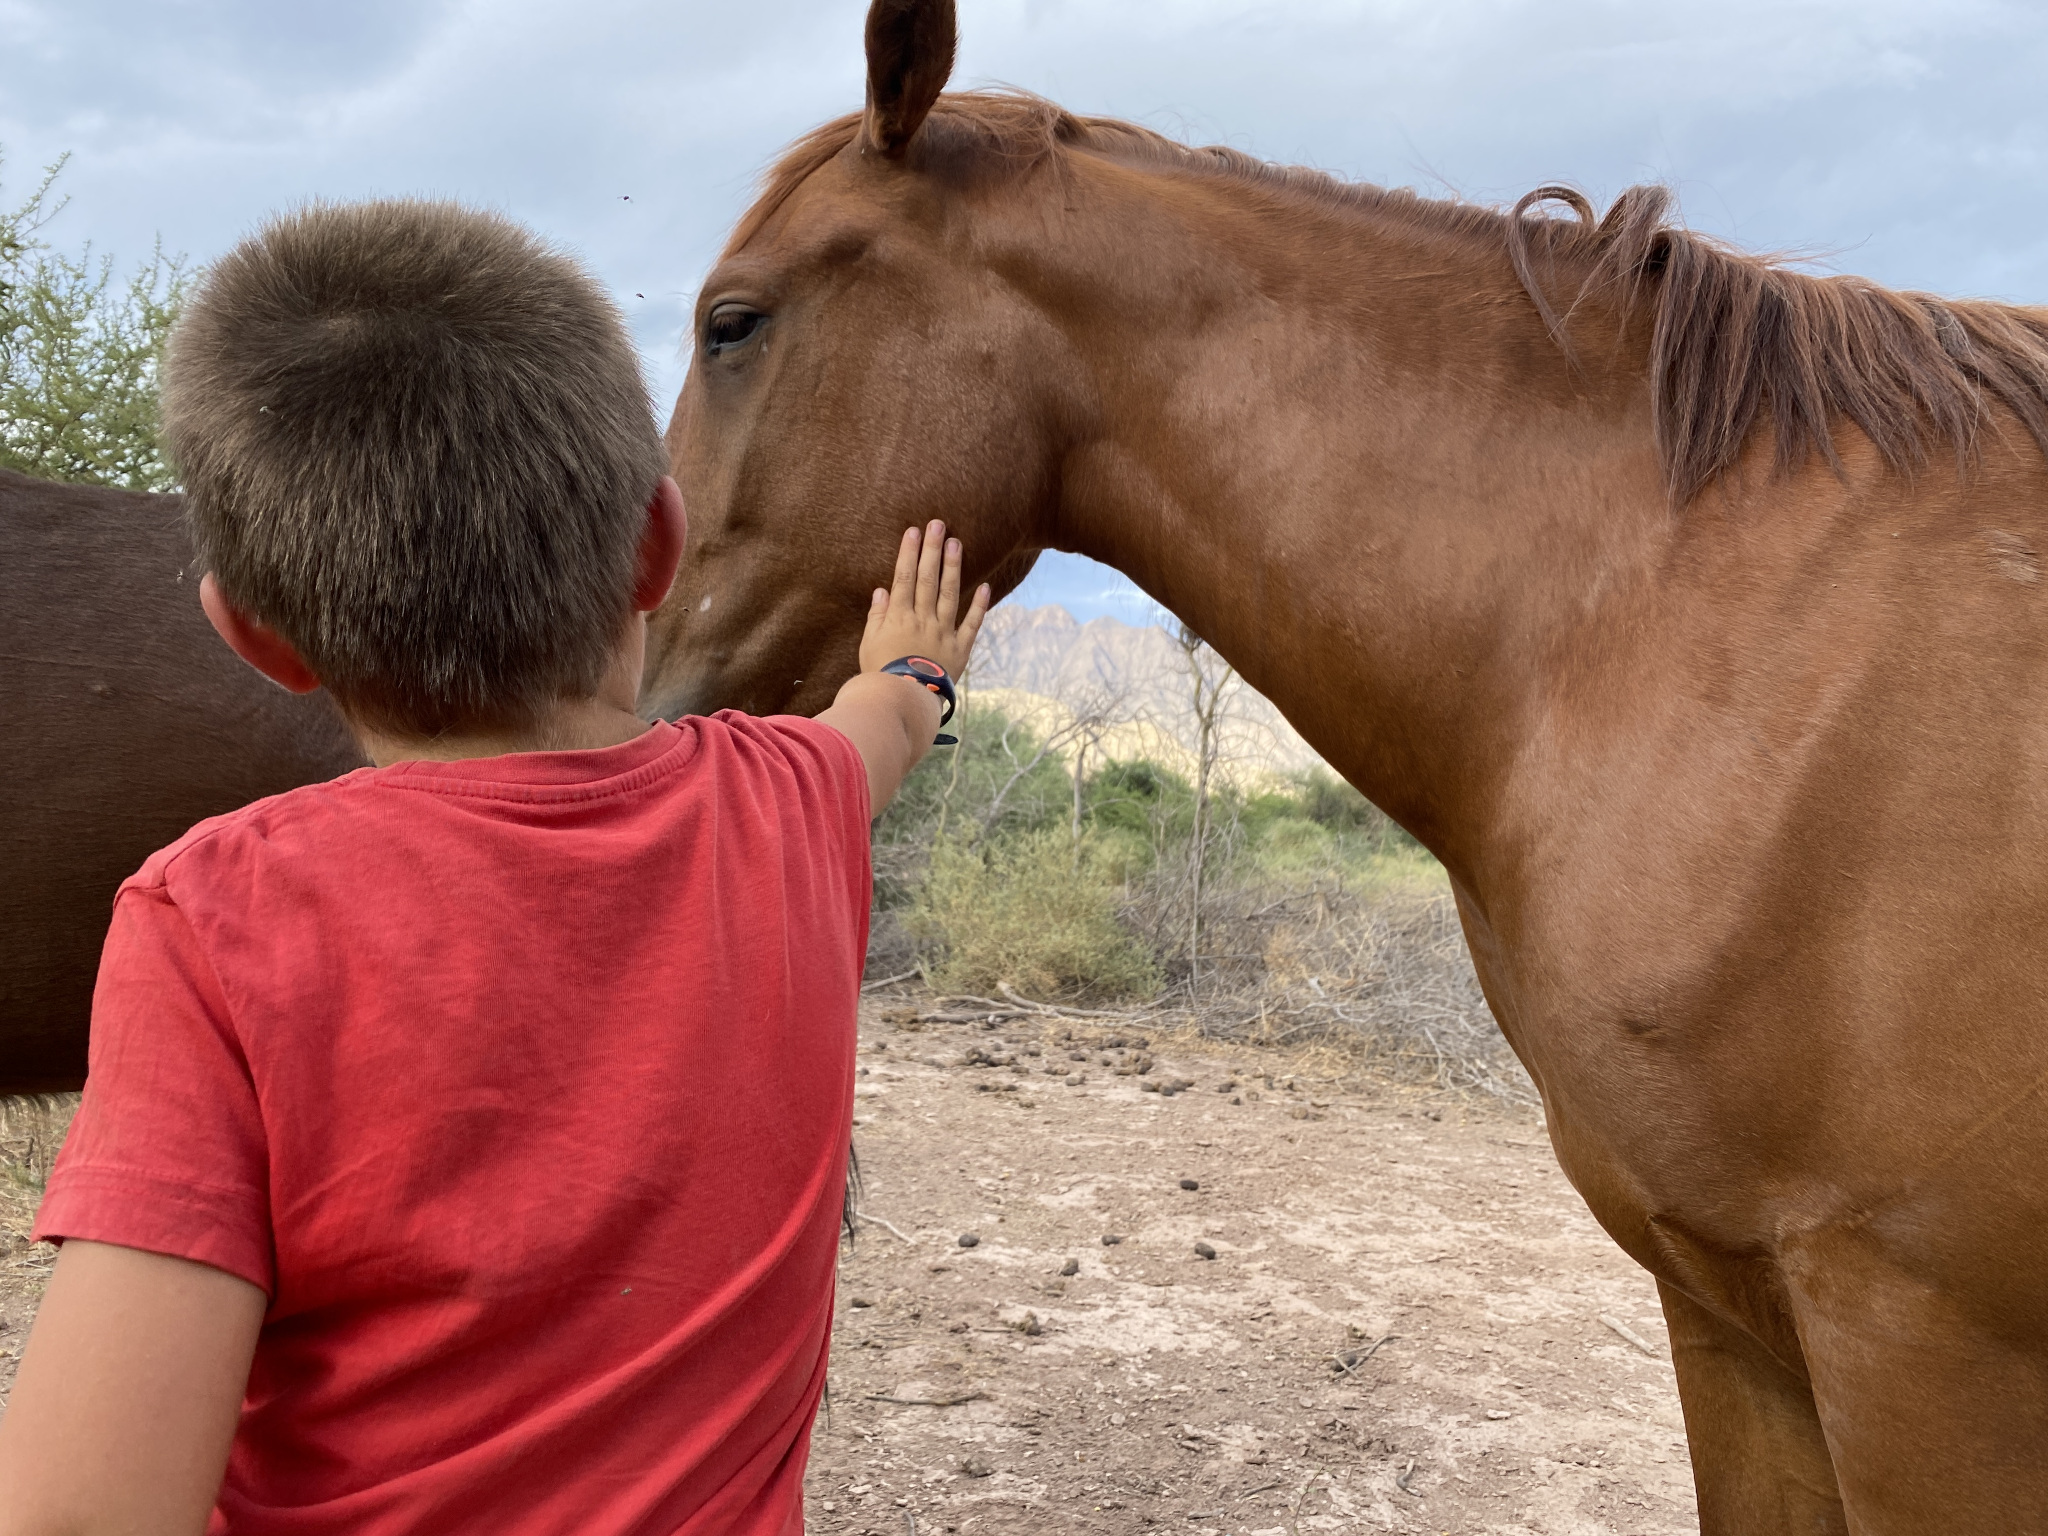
column 168, row 1151
column 830, row 784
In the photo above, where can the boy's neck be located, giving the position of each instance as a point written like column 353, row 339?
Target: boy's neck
column 606, row 719
column 580, row 725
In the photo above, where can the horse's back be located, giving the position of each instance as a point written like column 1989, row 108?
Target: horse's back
column 127, row 721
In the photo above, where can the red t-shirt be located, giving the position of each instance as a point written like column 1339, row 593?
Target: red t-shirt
column 523, row 1087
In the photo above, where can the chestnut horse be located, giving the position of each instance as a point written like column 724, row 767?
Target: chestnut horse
column 1688, row 608
column 125, row 721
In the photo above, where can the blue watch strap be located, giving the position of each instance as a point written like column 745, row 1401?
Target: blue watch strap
column 922, row 669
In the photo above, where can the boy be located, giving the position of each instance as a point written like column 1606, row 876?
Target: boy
column 465, row 1139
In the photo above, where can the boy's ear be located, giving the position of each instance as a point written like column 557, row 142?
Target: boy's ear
column 661, row 546
column 254, row 641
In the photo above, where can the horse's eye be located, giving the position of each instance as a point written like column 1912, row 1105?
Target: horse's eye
column 731, row 325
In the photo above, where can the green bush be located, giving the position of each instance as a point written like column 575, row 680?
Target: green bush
column 997, row 782
column 1142, row 799
column 1034, row 910
column 1297, row 846
column 79, row 356
column 1330, row 802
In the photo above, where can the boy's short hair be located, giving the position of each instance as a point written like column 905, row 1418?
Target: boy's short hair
column 415, row 442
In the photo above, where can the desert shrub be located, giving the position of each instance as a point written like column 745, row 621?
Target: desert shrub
column 1330, row 802
column 998, row 782
column 1034, row 910
column 1295, row 845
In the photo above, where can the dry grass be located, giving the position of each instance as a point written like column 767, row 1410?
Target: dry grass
column 1382, row 976
column 31, row 1133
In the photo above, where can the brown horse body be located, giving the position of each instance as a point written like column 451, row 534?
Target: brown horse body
column 1744, row 794
column 126, row 721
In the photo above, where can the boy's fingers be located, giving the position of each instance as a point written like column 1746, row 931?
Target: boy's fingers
column 878, row 609
column 902, row 591
column 949, row 585
column 971, row 625
column 933, row 555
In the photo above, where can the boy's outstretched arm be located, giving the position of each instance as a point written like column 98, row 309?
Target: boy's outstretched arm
column 891, row 720
column 128, row 1396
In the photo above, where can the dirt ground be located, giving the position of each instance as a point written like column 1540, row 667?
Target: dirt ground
column 1409, row 1323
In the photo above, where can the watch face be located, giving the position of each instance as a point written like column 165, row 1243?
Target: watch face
column 925, row 668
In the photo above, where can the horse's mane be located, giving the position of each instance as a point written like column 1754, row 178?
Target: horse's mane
column 1736, row 338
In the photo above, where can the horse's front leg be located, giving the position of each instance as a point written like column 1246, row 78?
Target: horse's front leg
column 1759, row 1462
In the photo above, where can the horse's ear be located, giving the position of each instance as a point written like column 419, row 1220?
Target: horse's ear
column 910, row 54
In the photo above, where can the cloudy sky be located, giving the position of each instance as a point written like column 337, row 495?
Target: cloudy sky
column 1903, row 140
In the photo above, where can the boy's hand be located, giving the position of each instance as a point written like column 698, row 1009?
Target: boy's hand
column 891, row 720
column 916, row 617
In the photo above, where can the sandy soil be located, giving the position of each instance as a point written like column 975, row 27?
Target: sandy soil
column 1404, row 1327
column 1409, row 1322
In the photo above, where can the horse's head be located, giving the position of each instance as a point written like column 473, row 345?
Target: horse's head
column 860, row 364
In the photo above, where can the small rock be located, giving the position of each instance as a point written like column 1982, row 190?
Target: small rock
column 1165, row 1090
column 1436, row 1114
column 1346, row 1362
column 1189, row 1184
column 1204, row 1251
column 1308, row 1402
column 1031, row 1328
column 1071, row 1267
column 1116, row 1419
column 1497, row 1413
column 1145, row 1087
column 974, row 1466
column 1229, row 1087
column 1074, row 1079
column 859, row 1301
column 970, row 1239
column 1110, row 1239
column 1236, row 1099
column 1077, row 1055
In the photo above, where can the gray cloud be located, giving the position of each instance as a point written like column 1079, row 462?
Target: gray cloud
column 1901, row 140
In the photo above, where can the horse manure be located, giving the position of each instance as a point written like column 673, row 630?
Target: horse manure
column 1071, row 1267
column 1110, row 1240
column 1190, row 1184
column 1204, row 1251
column 970, row 1239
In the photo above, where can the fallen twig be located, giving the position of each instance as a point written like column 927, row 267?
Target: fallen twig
column 1294, row 1508
column 889, row 981
column 1337, row 1359
column 1122, row 1015
column 1631, row 1335
column 1401, row 1482
column 1262, row 1488
column 928, row 1402
column 882, row 1222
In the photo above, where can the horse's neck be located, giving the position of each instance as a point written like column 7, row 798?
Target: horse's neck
column 1367, row 476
